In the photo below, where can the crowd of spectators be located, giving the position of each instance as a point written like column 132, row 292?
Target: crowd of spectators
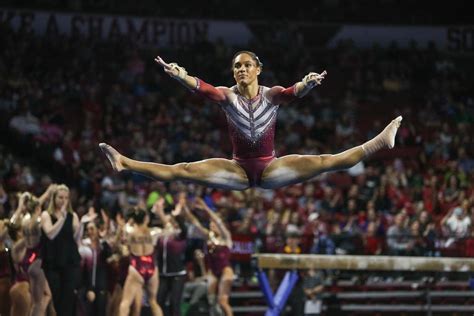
column 61, row 96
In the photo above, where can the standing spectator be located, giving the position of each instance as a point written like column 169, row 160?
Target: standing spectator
column 61, row 259
column 170, row 251
column 95, row 253
column 313, row 286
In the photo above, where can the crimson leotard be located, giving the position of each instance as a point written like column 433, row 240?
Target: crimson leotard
column 217, row 258
column 145, row 265
column 31, row 255
column 251, row 123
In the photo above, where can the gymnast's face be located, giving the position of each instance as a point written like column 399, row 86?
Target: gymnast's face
column 245, row 69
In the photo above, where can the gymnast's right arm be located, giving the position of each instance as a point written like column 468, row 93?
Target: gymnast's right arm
column 192, row 83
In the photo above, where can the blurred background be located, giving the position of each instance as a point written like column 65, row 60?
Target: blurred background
column 79, row 72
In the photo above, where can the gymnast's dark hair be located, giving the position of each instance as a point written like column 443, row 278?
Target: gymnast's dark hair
column 31, row 204
column 251, row 54
column 138, row 215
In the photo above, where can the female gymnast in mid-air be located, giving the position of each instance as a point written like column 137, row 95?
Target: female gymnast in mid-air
column 251, row 111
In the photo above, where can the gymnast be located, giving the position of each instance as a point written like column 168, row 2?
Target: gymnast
column 251, row 111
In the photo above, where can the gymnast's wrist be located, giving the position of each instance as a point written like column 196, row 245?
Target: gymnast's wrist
column 302, row 89
column 194, row 87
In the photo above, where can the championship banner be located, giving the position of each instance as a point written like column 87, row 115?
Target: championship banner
column 162, row 32
column 166, row 32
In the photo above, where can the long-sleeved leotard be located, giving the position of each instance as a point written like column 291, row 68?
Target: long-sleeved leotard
column 251, row 123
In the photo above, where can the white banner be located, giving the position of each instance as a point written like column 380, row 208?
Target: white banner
column 146, row 30
column 177, row 32
column 451, row 38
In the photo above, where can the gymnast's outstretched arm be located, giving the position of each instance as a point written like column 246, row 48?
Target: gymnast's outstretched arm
column 280, row 95
column 215, row 94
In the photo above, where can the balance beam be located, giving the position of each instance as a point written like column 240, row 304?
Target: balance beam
column 372, row 263
column 277, row 302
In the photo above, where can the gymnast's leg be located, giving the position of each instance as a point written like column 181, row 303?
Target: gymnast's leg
column 216, row 172
column 293, row 169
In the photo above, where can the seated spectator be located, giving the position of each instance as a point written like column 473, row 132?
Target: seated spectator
column 322, row 242
column 25, row 123
column 456, row 224
column 398, row 237
column 372, row 243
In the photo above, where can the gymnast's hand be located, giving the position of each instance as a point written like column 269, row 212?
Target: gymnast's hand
column 313, row 79
column 172, row 69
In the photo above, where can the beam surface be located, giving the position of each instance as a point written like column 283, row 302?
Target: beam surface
column 376, row 263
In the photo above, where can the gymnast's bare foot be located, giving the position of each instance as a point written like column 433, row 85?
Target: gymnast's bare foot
column 386, row 139
column 390, row 131
column 113, row 155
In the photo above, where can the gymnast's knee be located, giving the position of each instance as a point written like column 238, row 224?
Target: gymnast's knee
column 183, row 170
column 223, row 300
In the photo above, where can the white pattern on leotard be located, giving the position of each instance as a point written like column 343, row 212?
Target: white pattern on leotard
column 251, row 117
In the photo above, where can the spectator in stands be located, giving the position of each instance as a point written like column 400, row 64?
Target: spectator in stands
column 398, row 237
column 372, row 243
column 346, row 236
column 313, row 287
column 322, row 241
column 111, row 187
column 456, row 224
column 25, row 123
column 418, row 243
column 128, row 197
column 428, row 229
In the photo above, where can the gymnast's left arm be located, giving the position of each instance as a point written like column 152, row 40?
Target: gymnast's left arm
column 280, row 95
